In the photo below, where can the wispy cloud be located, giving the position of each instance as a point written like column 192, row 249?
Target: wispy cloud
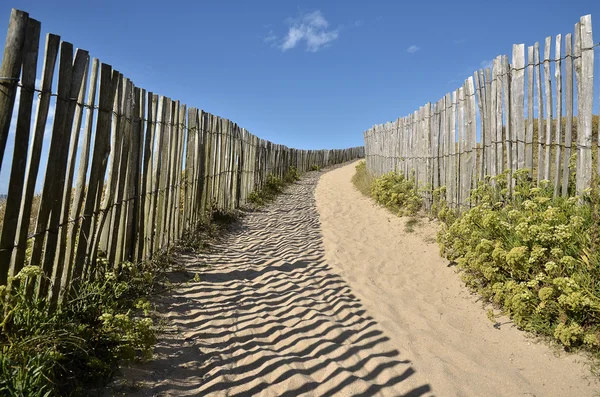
column 270, row 37
column 358, row 23
column 310, row 29
column 412, row 49
column 487, row 63
column 459, row 41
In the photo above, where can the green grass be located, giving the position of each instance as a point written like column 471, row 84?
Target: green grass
column 363, row 179
column 78, row 347
column 392, row 190
column 273, row 187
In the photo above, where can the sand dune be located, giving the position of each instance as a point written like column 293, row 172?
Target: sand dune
column 331, row 297
column 426, row 311
column 271, row 318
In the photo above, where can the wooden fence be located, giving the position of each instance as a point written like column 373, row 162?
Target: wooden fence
column 484, row 128
column 148, row 166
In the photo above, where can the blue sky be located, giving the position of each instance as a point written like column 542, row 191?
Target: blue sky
column 308, row 74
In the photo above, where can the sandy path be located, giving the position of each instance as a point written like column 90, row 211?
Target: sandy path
column 424, row 309
column 270, row 317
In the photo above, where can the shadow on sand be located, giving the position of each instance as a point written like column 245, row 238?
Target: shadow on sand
column 269, row 316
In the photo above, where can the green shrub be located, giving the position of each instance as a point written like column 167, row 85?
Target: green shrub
column 291, row 176
column 533, row 255
column 255, row 198
column 315, row 167
column 363, row 179
column 273, row 187
column 79, row 346
column 397, row 193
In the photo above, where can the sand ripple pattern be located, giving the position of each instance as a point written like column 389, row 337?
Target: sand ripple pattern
column 271, row 318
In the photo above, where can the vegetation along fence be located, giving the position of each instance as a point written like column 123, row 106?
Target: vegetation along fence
column 147, row 166
column 484, row 128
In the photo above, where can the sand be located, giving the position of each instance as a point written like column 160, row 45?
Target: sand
column 427, row 312
column 322, row 293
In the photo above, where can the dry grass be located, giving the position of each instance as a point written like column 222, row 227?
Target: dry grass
column 35, row 206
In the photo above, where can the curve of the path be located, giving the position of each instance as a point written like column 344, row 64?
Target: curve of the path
column 269, row 317
column 427, row 312
column 322, row 293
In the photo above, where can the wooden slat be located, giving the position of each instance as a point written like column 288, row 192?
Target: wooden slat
column 190, row 165
column 558, row 129
column 132, row 193
column 70, row 79
column 86, row 238
column 180, row 162
column 540, row 113
column 22, row 132
column 568, row 113
column 210, row 162
column 488, row 122
column 158, row 120
column 508, row 143
column 33, row 162
column 163, row 182
column 60, row 257
column 584, row 70
column 453, row 151
column 118, row 221
column 548, row 97
column 10, row 69
column 463, row 170
column 106, row 230
column 172, row 185
column 500, row 160
column 517, row 109
column 494, row 86
column 80, row 183
column 139, row 204
column 426, row 153
column 530, row 110
column 480, row 95
column 471, row 135
column 147, row 188
column 202, row 171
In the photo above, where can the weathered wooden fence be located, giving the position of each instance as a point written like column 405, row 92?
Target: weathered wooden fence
column 484, row 128
column 147, row 166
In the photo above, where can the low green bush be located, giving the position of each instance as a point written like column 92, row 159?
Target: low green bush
column 315, row 167
column 273, row 187
column 533, row 255
column 79, row 346
column 291, row 176
column 362, row 178
column 397, row 193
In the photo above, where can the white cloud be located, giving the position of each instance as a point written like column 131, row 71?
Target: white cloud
column 459, row 41
column 358, row 23
column 270, row 37
column 412, row 49
column 310, row 28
